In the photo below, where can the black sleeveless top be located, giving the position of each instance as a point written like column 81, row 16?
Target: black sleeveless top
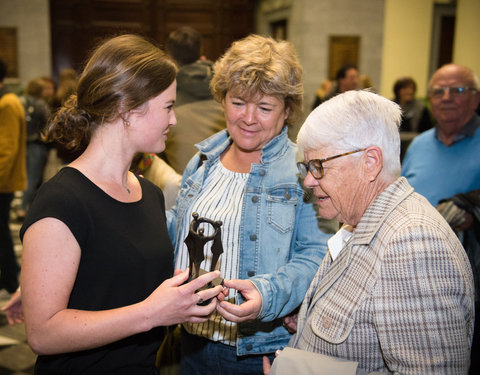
column 125, row 255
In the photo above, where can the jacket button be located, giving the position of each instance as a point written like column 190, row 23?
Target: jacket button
column 262, row 172
column 251, row 273
column 327, row 322
column 249, row 347
column 255, row 199
column 253, row 237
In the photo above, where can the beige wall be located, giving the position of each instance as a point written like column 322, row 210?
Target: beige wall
column 396, row 36
column 312, row 22
column 407, row 40
column 406, row 43
column 467, row 34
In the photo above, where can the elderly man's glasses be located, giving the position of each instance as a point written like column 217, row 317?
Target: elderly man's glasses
column 439, row 92
column 315, row 166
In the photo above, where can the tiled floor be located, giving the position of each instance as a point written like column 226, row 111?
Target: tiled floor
column 16, row 358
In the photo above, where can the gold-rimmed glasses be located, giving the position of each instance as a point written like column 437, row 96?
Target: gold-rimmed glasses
column 315, row 166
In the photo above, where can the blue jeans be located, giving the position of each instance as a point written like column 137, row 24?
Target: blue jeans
column 204, row 357
column 36, row 160
column 8, row 262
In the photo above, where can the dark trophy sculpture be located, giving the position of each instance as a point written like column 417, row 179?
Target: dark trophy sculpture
column 196, row 241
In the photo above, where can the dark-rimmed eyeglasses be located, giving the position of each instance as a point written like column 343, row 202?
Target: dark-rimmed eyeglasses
column 315, row 166
column 439, row 92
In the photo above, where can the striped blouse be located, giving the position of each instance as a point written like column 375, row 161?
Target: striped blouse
column 220, row 199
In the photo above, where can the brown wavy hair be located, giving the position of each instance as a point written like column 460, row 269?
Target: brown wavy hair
column 122, row 74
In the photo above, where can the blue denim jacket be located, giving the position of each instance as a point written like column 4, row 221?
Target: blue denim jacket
column 282, row 241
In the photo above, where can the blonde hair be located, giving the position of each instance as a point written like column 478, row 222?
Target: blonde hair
column 260, row 65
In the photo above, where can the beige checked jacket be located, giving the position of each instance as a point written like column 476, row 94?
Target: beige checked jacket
column 399, row 297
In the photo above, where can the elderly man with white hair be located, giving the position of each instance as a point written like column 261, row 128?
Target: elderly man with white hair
column 395, row 291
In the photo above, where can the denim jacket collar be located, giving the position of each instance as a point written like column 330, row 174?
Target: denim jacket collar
column 213, row 146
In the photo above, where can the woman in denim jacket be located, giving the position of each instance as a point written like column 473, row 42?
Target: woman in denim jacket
column 246, row 177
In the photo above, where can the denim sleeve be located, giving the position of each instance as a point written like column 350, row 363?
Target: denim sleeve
column 284, row 290
column 171, row 224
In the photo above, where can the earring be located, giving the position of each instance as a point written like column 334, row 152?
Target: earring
column 126, row 123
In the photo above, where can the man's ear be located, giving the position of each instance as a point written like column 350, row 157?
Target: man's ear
column 477, row 94
column 373, row 162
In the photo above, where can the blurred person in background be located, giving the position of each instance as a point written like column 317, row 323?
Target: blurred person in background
column 13, row 175
column 37, row 113
column 442, row 164
column 346, row 79
column 322, row 92
column 415, row 114
column 195, row 72
column 199, row 116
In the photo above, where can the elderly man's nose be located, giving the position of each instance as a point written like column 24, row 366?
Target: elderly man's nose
column 446, row 93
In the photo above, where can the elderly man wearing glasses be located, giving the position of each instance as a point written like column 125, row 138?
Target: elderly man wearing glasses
column 443, row 163
column 395, row 291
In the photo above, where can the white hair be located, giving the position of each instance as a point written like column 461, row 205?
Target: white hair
column 355, row 120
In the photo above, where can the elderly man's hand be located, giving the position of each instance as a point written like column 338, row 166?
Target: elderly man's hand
column 458, row 218
column 246, row 311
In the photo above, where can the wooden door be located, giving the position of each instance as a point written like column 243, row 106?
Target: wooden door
column 76, row 25
column 343, row 50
